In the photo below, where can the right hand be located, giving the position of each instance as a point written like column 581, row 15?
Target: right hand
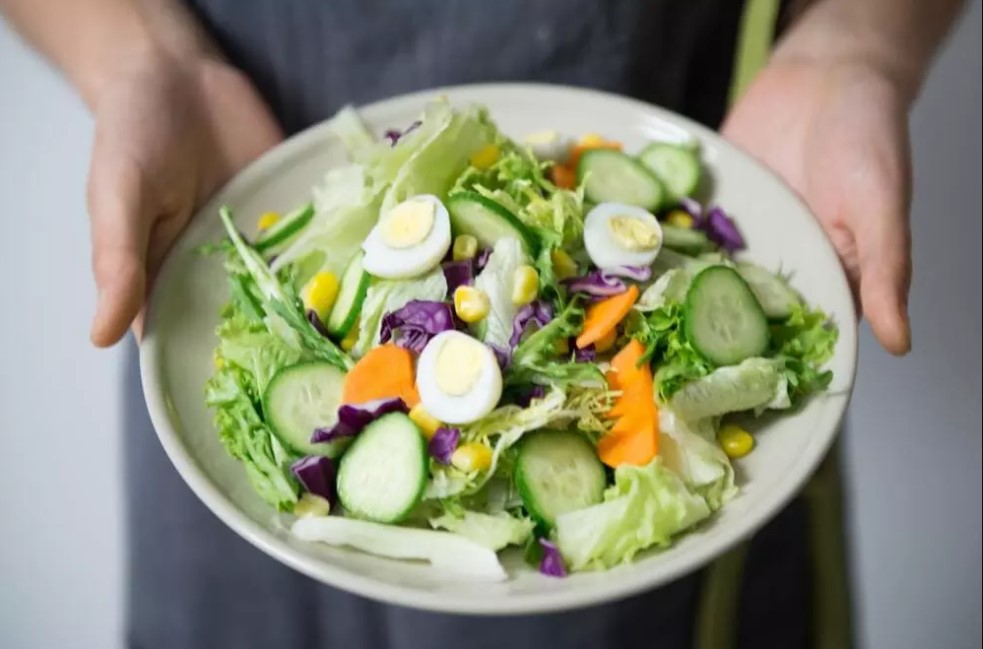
column 169, row 132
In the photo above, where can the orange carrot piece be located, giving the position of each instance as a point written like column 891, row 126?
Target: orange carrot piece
column 602, row 317
column 384, row 372
column 637, row 449
column 563, row 176
column 634, row 437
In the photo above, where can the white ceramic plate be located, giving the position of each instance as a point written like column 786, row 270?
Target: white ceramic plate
column 176, row 353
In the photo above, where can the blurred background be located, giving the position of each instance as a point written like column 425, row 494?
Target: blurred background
column 912, row 447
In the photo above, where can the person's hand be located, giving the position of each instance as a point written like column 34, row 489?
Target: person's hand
column 839, row 136
column 169, row 132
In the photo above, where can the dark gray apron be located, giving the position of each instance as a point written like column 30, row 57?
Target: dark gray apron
column 193, row 584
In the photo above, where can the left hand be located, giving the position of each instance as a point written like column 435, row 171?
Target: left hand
column 838, row 135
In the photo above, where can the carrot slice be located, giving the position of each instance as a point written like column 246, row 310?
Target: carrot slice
column 384, row 372
column 634, row 437
column 563, row 176
column 602, row 317
column 637, row 449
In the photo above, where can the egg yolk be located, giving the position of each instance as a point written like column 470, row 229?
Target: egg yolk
column 632, row 233
column 458, row 366
column 408, row 223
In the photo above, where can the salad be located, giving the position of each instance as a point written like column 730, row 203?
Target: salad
column 464, row 343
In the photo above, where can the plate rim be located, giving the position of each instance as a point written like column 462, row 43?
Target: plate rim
column 561, row 599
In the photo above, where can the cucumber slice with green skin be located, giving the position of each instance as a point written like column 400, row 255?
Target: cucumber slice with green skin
column 685, row 240
column 354, row 285
column 558, row 472
column 678, row 167
column 613, row 176
column 487, row 221
column 775, row 296
column 284, row 230
column 722, row 319
column 301, row 398
column 383, row 474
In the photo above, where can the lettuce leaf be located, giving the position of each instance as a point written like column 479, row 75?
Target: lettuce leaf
column 690, row 451
column 391, row 295
column 494, row 531
column 754, row 384
column 534, row 359
column 645, row 507
column 496, row 281
column 804, row 343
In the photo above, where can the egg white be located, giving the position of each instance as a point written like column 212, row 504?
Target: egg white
column 479, row 400
column 549, row 146
column 385, row 261
column 603, row 249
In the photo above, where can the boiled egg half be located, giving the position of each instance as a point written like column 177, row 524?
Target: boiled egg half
column 458, row 378
column 409, row 239
column 616, row 234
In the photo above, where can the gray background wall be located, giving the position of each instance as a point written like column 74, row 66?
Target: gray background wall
column 913, row 445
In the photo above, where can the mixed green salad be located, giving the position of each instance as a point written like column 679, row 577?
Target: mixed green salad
column 465, row 342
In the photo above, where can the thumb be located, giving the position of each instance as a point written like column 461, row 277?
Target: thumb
column 120, row 232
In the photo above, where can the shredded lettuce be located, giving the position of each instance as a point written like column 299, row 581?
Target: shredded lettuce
column 670, row 287
column 386, row 296
column 535, row 359
column 644, row 508
column 496, row 281
column 494, row 531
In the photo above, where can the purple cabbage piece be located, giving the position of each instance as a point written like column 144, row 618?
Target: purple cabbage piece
column 721, row 229
column 524, row 399
column 692, row 207
column 317, row 475
column 586, row 355
column 503, row 355
column 482, row 259
column 551, row 564
column 413, row 325
column 443, row 444
column 394, row 135
column 636, row 273
column 596, row 283
column 457, row 273
column 313, row 318
column 352, row 418
column 538, row 312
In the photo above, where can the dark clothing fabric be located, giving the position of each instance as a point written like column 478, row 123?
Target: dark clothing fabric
column 193, row 584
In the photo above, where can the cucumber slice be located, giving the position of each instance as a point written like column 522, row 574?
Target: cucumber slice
column 558, row 472
column 685, row 240
column 354, row 285
column 722, row 319
column 285, row 230
column 774, row 295
column 676, row 166
column 613, row 176
column 383, row 474
column 487, row 221
column 301, row 398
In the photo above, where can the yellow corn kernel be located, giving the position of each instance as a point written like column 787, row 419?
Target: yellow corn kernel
column 561, row 346
column 735, row 441
column 606, row 341
column 472, row 457
column 311, row 505
column 564, row 266
column 350, row 338
column 592, row 140
column 471, row 304
column 426, row 422
column 465, row 247
column 486, row 156
column 321, row 293
column 218, row 360
column 680, row 219
column 525, row 285
column 267, row 220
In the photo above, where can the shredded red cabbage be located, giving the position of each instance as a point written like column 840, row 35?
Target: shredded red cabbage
column 482, row 259
column 394, row 135
column 722, row 230
column 503, row 355
column 317, row 475
column 413, row 325
column 538, row 312
column 636, row 273
column 313, row 318
column 586, row 355
column 525, row 398
column 551, row 564
column 596, row 283
column 457, row 273
column 352, row 418
column 443, row 444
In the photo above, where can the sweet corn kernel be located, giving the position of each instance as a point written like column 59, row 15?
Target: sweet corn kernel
column 561, row 346
column 471, row 304
column 465, row 247
column 472, row 457
column 218, row 360
column 680, row 219
column 525, row 285
column 606, row 341
column 592, row 139
column 564, row 266
column 426, row 422
column 267, row 220
column 311, row 505
column 735, row 441
column 486, row 156
column 350, row 338
column 321, row 293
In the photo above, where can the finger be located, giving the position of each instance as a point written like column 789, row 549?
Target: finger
column 884, row 249
column 119, row 244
